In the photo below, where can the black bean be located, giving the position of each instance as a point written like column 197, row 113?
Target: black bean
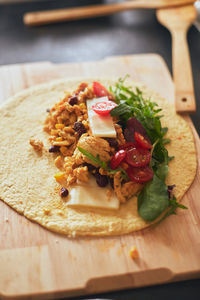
column 63, row 192
column 112, row 142
column 73, row 100
column 54, row 149
column 101, row 180
column 80, row 128
column 48, row 110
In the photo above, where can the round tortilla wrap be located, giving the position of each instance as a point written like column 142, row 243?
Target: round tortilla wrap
column 27, row 181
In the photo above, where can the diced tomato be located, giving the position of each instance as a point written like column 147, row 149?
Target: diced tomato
column 140, row 175
column 99, row 89
column 127, row 146
column 103, row 108
column 117, row 158
column 141, row 141
column 138, row 157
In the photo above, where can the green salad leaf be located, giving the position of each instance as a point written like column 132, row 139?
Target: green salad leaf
column 133, row 104
column 154, row 198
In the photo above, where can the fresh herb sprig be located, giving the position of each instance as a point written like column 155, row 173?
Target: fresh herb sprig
column 173, row 205
column 102, row 164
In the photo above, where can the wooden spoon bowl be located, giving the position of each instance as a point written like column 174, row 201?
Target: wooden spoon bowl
column 177, row 21
column 184, row 16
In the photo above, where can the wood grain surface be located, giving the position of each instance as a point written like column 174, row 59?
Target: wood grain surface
column 37, row 263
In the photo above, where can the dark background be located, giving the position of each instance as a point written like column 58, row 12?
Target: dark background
column 123, row 33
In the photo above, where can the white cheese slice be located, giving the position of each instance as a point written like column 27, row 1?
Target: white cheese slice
column 90, row 195
column 101, row 126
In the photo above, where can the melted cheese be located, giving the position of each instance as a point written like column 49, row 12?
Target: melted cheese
column 101, row 126
column 90, row 195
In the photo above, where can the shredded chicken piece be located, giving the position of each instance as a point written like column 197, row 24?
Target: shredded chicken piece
column 68, row 126
column 120, row 136
column 129, row 189
column 126, row 190
column 81, row 173
column 94, row 145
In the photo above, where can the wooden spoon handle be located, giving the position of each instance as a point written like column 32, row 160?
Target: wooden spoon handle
column 182, row 72
column 76, row 13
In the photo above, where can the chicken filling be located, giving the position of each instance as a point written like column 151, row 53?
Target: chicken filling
column 68, row 126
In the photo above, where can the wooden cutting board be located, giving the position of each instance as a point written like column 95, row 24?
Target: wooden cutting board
column 38, row 263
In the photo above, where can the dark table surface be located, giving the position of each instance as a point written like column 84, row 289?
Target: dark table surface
column 124, row 33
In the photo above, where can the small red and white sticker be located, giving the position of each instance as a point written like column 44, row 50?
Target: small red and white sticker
column 103, row 108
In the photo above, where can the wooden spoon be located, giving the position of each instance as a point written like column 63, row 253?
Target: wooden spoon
column 177, row 21
column 77, row 13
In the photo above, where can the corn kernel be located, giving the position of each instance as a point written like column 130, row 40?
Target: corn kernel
column 60, row 176
column 61, row 143
column 63, row 150
column 133, row 252
column 58, row 162
column 58, row 139
column 54, row 132
column 82, row 105
column 59, row 126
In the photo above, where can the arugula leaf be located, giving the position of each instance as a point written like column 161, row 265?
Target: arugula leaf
column 153, row 199
column 102, row 164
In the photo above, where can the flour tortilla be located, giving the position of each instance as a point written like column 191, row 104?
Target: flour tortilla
column 27, row 181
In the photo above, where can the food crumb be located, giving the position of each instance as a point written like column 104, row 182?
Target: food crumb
column 133, row 252
column 57, row 241
column 36, row 144
column 46, row 211
column 73, row 234
column 6, row 220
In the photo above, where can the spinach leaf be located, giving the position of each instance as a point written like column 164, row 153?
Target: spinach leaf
column 153, row 199
column 162, row 171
